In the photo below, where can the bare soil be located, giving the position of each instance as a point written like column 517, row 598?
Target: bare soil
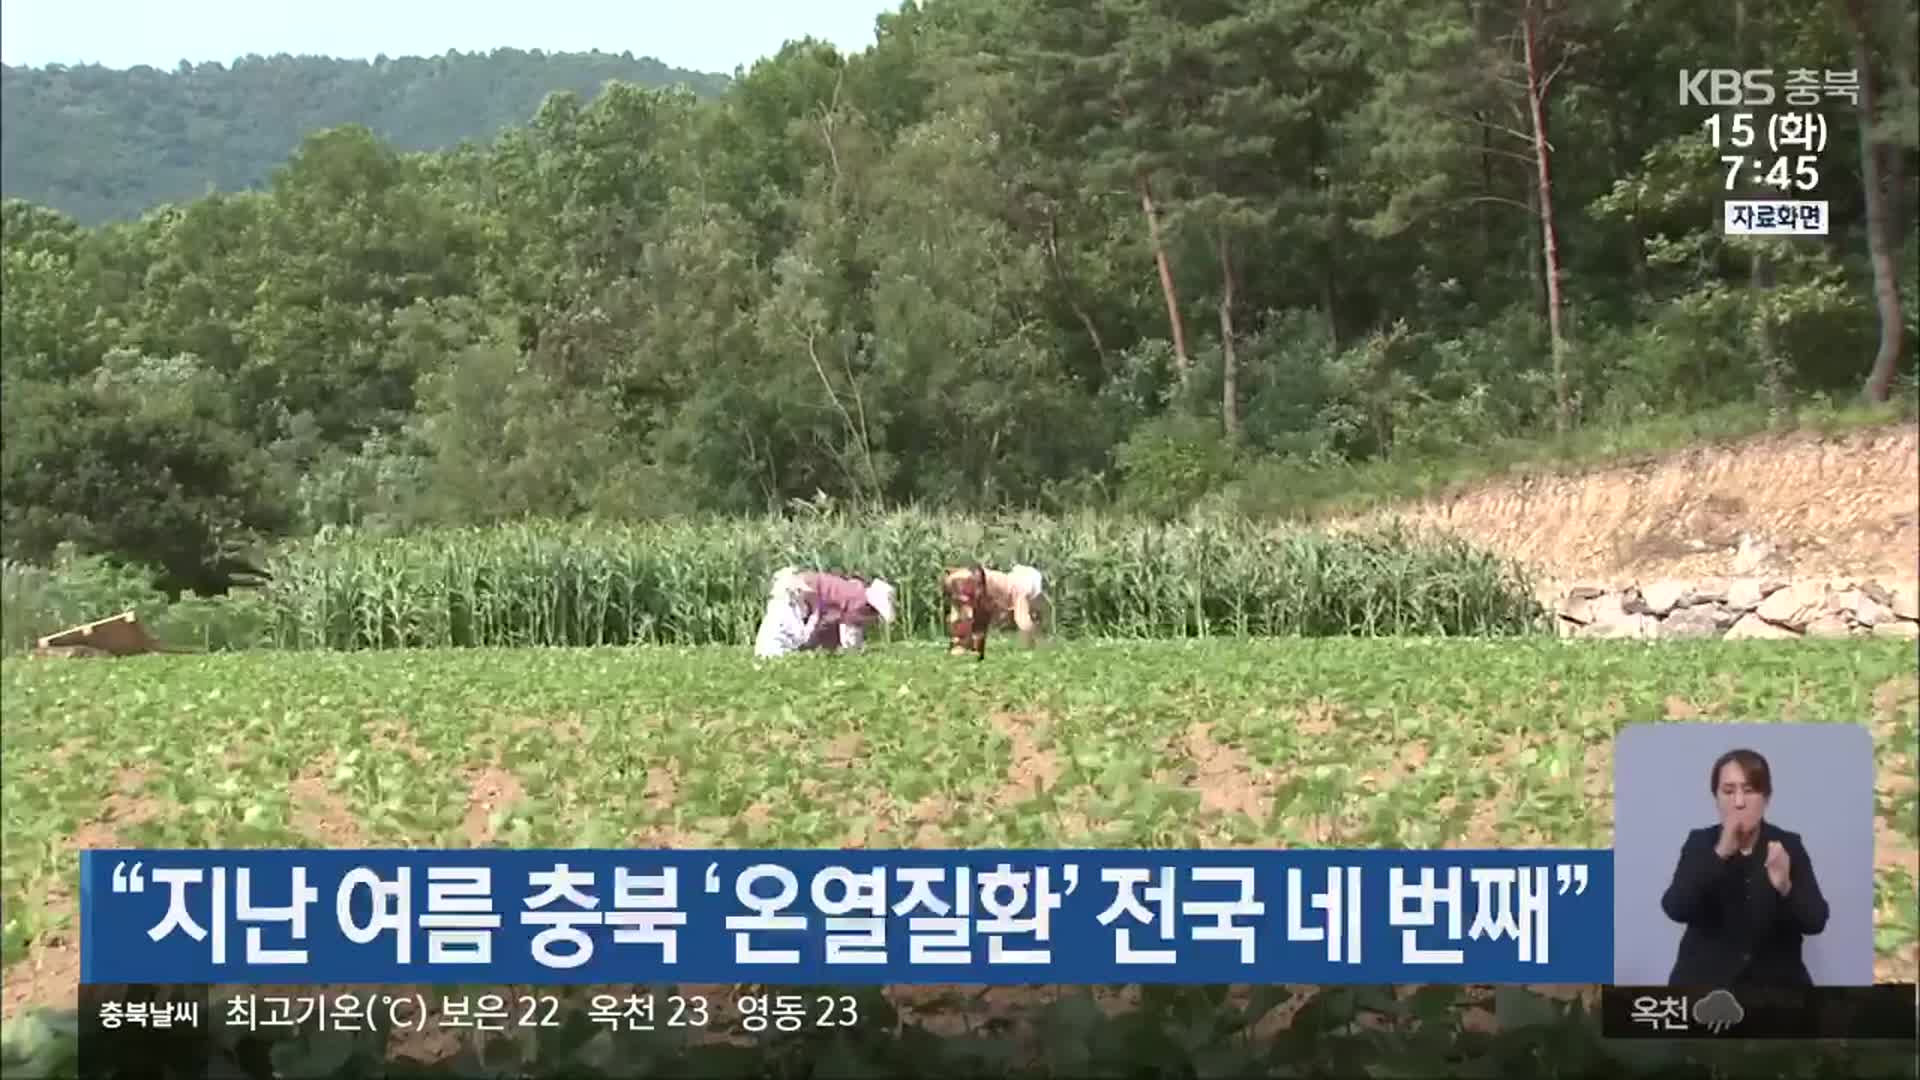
column 1804, row 505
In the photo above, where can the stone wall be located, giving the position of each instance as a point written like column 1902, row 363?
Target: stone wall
column 1743, row 607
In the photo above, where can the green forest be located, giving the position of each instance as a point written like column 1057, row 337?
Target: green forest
column 102, row 144
column 1139, row 256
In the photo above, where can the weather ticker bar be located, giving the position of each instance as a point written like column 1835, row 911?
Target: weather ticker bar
column 1881, row 1011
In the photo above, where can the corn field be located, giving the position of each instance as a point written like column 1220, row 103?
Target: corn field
column 703, row 584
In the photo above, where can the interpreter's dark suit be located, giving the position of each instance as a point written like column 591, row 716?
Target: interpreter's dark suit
column 1740, row 930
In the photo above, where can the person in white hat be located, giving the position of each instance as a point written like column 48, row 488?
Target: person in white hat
column 789, row 622
column 837, row 611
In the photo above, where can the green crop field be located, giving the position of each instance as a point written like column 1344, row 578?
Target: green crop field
column 1205, row 683
column 1288, row 742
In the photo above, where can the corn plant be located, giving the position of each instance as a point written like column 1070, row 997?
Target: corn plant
column 703, row 583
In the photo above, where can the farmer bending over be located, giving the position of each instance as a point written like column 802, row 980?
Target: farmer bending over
column 843, row 608
column 789, row 621
column 980, row 598
column 808, row 609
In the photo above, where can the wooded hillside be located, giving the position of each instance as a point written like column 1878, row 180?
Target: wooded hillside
column 104, row 144
column 1138, row 254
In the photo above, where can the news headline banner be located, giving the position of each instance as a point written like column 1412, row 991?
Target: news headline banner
column 854, row 917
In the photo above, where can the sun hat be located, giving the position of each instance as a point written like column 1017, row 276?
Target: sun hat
column 880, row 595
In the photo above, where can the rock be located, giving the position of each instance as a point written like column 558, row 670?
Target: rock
column 1830, row 625
column 1587, row 610
column 1870, row 612
column 1746, row 594
column 1629, row 625
column 1752, row 627
column 1752, row 554
column 1695, row 622
column 1611, row 619
column 1794, row 606
column 1905, row 602
column 1576, row 610
column 1662, row 597
column 1706, row 591
column 1756, row 606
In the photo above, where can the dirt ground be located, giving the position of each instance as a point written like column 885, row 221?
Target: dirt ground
column 1798, row 505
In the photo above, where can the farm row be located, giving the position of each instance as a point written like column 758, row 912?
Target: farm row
column 1330, row 742
column 706, row 584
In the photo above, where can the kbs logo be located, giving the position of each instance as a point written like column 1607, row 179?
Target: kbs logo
column 1726, row 87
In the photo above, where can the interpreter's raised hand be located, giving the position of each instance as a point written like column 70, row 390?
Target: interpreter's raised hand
column 1734, row 836
column 1779, row 867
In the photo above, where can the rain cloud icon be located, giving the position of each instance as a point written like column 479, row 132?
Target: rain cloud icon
column 1718, row 1011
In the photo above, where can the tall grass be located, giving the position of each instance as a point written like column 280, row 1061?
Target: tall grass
column 705, row 583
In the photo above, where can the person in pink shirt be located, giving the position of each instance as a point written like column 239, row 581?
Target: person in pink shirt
column 843, row 608
column 819, row 610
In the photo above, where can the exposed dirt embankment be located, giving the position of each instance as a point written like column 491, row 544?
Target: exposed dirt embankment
column 1799, row 505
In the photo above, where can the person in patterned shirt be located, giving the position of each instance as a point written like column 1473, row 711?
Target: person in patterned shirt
column 980, row 598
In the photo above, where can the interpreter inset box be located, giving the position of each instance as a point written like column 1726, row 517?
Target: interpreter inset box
column 1743, row 855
